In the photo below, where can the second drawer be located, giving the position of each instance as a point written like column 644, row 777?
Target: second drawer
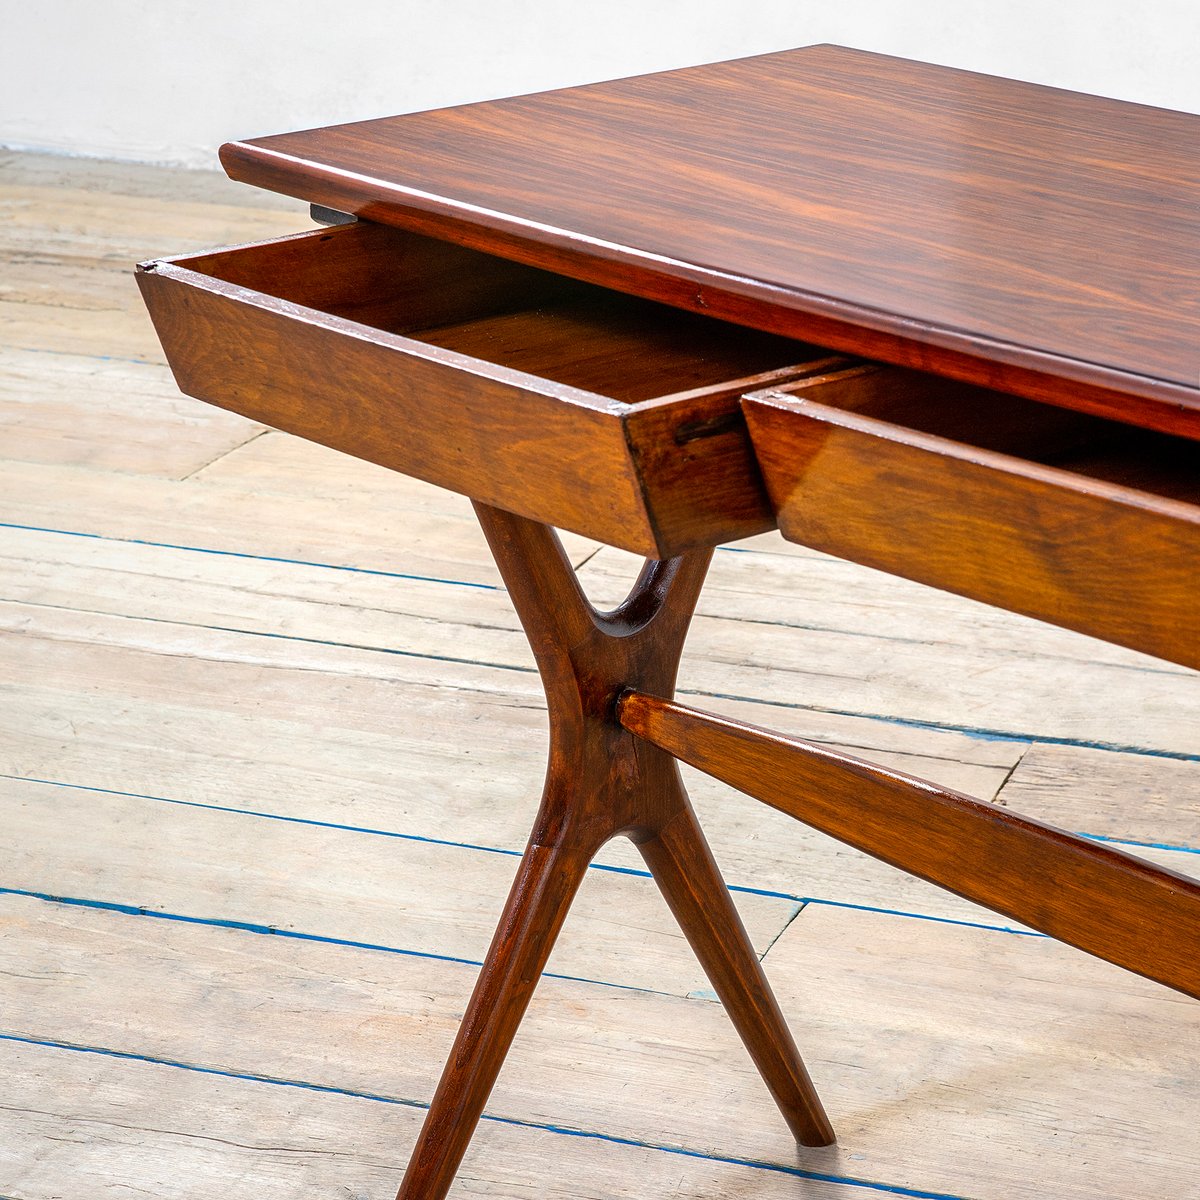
column 1079, row 521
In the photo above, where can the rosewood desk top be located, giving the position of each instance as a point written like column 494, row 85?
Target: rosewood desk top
column 1037, row 241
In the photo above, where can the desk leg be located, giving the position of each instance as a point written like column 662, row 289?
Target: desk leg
column 682, row 864
column 601, row 781
column 537, row 905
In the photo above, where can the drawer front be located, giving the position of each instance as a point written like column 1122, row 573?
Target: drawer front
column 393, row 401
column 1062, row 545
column 417, row 355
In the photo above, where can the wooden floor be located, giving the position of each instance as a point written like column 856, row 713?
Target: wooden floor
column 270, row 740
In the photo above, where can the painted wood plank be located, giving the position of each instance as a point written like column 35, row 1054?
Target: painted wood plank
column 24, row 171
column 372, row 1022
column 60, row 302
column 375, row 529
column 416, row 616
column 318, row 746
column 83, row 1123
column 1131, row 797
column 412, row 896
column 305, row 736
column 109, row 415
column 110, row 217
column 991, row 687
column 95, row 332
column 365, row 609
column 1048, row 1074
column 69, row 239
column 1018, row 1044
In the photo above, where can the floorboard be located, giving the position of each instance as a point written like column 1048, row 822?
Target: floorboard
column 272, row 740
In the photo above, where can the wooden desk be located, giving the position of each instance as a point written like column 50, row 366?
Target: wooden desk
column 938, row 323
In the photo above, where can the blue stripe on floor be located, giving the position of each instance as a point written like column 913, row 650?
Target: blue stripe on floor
column 516, row 1122
column 140, row 910
column 971, row 731
column 295, row 562
column 743, row 889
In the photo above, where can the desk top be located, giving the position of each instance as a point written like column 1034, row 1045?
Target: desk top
column 1035, row 240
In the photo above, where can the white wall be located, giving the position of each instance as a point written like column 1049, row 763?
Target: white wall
column 169, row 80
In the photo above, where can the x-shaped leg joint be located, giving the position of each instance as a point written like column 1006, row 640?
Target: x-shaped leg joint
column 601, row 781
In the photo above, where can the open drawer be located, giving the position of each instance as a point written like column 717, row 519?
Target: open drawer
column 1076, row 520
column 614, row 417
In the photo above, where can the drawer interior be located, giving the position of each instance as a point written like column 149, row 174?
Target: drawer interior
column 617, row 345
column 586, row 337
column 993, row 421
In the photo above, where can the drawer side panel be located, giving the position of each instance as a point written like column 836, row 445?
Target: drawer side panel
column 536, row 454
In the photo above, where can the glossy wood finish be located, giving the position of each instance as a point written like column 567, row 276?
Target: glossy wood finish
column 601, row 782
column 1027, row 238
column 1033, row 253
column 1067, row 518
column 1117, row 907
column 378, row 343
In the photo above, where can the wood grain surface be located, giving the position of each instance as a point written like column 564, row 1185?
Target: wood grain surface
column 1059, row 516
column 324, row 727
column 1037, row 240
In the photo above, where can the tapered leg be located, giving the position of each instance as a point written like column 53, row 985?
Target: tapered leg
column 682, row 864
column 533, row 915
column 601, row 782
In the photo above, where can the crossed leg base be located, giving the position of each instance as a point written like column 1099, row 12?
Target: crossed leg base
column 601, row 781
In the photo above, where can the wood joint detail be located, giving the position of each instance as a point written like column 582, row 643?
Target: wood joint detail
column 1118, row 907
column 600, row 782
